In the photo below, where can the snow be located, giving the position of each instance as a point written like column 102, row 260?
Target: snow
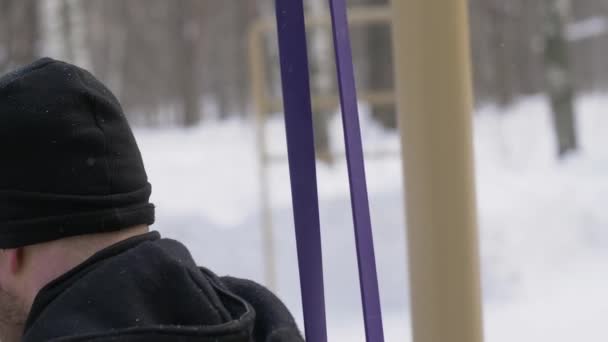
column 587, row 28
column 542, row 222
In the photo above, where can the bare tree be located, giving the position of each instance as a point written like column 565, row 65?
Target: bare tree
column 558, row 75
column 322, row 77
column 19, row 32
column 186, row 36
column 380, row 67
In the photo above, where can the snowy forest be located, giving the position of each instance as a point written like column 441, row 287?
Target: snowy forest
column 181, row 62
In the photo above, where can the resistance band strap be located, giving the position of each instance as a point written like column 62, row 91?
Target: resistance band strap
column 302, row 169
column 356, row 171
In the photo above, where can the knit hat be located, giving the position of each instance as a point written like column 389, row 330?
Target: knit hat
column 69, row 164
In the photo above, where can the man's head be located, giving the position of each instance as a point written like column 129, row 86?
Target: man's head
column 71, row 178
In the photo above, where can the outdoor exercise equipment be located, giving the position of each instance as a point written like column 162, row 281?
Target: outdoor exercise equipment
column 432, row 56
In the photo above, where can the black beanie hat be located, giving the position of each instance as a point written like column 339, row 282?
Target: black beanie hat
column 69, row 164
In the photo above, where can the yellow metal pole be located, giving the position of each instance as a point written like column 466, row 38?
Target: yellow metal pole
column 434, row 100
column 257, row 76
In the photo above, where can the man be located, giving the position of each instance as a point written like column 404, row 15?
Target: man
column 77, row 262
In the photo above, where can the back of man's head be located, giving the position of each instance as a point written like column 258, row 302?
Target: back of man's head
column 70, row 163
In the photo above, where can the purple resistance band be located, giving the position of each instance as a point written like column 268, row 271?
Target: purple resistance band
column 302, row 169
column 356, row 173
column 300, row 143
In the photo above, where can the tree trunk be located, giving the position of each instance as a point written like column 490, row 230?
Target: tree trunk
column 322, row 79
column 78, row 33
column 558, row 76
column 188, row 33
column 19, row 36
column 501, row 49
column 380, row 67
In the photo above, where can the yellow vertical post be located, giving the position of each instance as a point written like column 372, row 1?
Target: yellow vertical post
column 257, row 74
column 434, row 99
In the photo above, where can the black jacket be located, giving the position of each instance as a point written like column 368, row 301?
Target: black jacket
column 149, row 289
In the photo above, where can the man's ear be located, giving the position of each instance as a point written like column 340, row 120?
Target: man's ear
column 11, row 263
column 15, row 260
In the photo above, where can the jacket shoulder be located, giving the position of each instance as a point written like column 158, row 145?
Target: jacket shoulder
column 273, row 321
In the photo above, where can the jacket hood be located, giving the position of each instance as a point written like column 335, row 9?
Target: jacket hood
column 142, row 289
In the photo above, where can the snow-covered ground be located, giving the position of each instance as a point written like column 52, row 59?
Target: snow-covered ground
column 542, row 222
